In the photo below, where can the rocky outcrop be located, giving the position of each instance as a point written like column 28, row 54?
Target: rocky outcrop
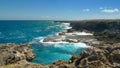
column 96, row 25
column 98, row 56
column 102, row 56
column 17, row 56
column 11, row 53
column 54, row 39
column 61, row 64
column 70, row 37
column 23, row 64
column 104, row 30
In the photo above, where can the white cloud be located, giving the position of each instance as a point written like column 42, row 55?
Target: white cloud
column 86, row 10
column 110, row 10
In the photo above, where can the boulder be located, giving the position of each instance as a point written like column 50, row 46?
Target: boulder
column 54, row 39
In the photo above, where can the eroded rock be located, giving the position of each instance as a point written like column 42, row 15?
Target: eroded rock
column 99, row 56
column 11, row 53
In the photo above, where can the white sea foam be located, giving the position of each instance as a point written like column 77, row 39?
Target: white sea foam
column 83, row 33
column 78, row 33
column 39, row 40
column 67, row 26
column 64, row 26
column 71, row 45
column 82, row 45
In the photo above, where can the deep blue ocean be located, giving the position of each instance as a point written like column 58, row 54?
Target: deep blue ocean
column 33, row 32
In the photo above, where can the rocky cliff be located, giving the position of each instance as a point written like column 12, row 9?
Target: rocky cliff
column 104, row 30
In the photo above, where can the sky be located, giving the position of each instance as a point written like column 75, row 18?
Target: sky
column 59, row 9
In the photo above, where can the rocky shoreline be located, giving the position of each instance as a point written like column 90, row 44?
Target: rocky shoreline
column 106, row 54
column 98, row 56
column 103, row 55
column 107, row 31
column 16, row 56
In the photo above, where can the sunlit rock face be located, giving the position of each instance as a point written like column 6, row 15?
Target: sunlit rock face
column 11, row 53
column 73, row 37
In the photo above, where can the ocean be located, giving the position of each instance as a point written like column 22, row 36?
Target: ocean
column 34, row 32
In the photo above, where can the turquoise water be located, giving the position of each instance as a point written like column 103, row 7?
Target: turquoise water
column 25, row 31
column 34, row 32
